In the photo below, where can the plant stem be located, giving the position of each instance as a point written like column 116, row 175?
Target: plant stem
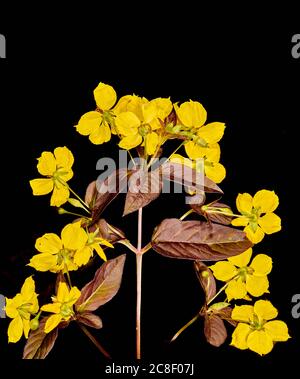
column 95, row 342
column 185, row 327
column 218, row 293
column 139, row 260
column 175, row 151
column 186, row 214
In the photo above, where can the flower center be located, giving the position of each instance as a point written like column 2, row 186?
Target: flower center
column 144, row 130
column 63, row 256
column 65, row 310
column 244, row 271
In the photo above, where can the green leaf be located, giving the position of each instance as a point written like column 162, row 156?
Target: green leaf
column 218, row 306
column 103, row 287
column 76, row 203
column 198, row 240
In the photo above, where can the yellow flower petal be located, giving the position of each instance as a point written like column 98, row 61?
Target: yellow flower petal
column 270, row 223
column 191, row 113
column 15, row 329
column 62, row 292
column 261, row 264
column 64, row 157
column 244, row 203
column 127, row 123
column 223, row 270
column 149, row 112
column 243, row 313
column 82, row 256
column 49, row 243
column 212, row 133
column 256, row 236
column 52, row 308
column 26, row 327
column 28, row 288
column 215, row 171
column 130, row 142
column 100, row 252
column 52, row 323
column 240, row 335
column 163, row 107
column 151, row 141
column 243, row 259
column 265, row 310
column 267, row 201
column 41, row 186
column 177, row 158
column 74, row 295
column 236, row 289
column 240, row 221
column 277, row 330
column 212, row 152
column 104, row 242
column 46, row 164
column 257, row 285
column 88, row 123
column 59, row 196
column 100, row 135
column 260, row 342
column 105, row 96
column 73, row 236
column 12, row 305
column 43, row 262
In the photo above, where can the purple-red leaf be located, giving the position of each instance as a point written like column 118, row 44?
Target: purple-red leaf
column 206, row 280
column 214, row 330
column 107, row 231
column 198, row 240
column 89, row 319
column 143, row 189
column 103, row 287
column 188, row 177
column 210, row 214
column 100, row 194
column 39, row 344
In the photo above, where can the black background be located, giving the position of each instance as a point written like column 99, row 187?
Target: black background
column 240, row 68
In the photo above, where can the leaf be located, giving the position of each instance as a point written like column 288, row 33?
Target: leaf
column 188, row 177
column 214, row 217
column 198, row 240
column 225, row 314
column 103, row 287
column 216, row 307
column 89, row 319
column 39, row 344
column 75, row 203
column 99, row 195
column 143, row 189
column 107, row 231
column 206, row 279
column 214, row 330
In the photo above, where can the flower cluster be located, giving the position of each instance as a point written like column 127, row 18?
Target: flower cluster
column 138, row 121
column 245, row 278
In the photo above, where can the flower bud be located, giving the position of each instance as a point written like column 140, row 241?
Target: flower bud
column 34, row 324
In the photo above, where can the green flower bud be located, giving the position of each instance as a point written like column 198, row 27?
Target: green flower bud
column 34, row 324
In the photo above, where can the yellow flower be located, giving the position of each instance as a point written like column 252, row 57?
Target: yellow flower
column 141, row 123
column 242, row 278
column 192, row 115
column 254, row 330
column 20, row 309
column 57, row 254
column 62, row 306
column 57, row 168
column 257, row 214
column 93, row 242
column 96, row 124
column 73, row 249
column 213, row 169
